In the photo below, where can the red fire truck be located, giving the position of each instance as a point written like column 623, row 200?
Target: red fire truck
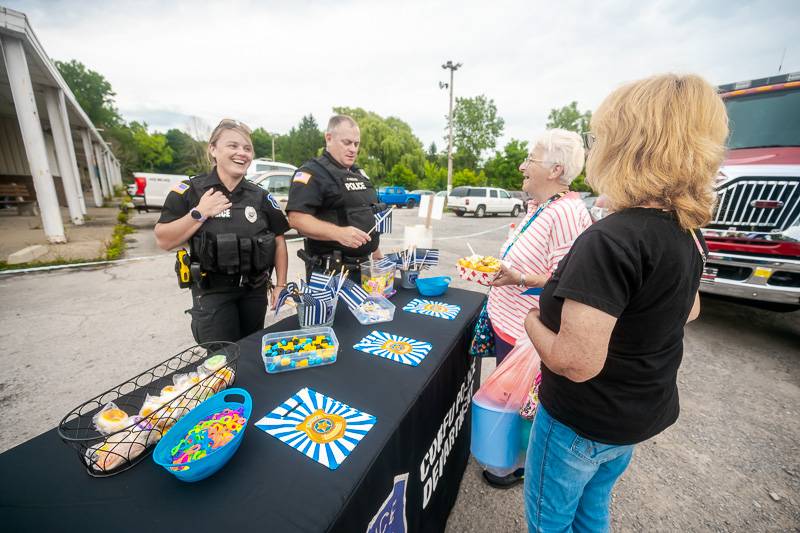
column 754, row 237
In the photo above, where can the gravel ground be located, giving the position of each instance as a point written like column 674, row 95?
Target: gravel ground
column 730, row 463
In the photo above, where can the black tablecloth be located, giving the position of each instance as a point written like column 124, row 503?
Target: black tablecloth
column 406, row 469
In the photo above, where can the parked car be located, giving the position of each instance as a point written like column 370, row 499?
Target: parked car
column 398, row 196
column 443, row 194
column 149, row 190
column 276, row 183
column 262, row 164
column 521, row 195
column 483, row 200
column 422, row 192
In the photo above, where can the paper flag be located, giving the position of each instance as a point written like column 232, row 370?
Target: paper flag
column 400, row 349
column 431, row 308
column 324, row 429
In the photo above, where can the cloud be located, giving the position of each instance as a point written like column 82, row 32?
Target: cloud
column 270, row 63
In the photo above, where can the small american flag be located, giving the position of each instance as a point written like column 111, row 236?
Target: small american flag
column 384, row 221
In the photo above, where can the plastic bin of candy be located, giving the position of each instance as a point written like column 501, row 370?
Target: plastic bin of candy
column 115, row 430
column 378, row 279
column 206, row 438
column 302, row 348
column 373, row 310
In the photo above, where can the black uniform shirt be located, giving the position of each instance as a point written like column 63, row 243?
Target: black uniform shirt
column 639, row 266
column 310, row 193
column 182, row 198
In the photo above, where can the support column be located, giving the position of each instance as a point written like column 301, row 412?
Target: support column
column 30, row 126
column 62, row 105
column 62, row 155
column 97, row 191
column 98, row 155
column 112, row 180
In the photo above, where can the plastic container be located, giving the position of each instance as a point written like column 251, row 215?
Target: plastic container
column 376, row 279
column 496, row 436
column 433, row 286
column 216, row 459
column 330, row 313
column 384, row 311
column 295, row 359
column 408, row 278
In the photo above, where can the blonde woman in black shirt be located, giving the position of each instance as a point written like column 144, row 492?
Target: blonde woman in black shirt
column 610, row 326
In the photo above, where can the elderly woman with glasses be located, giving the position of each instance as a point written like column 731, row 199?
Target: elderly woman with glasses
column 609, row 328
column 529, row 256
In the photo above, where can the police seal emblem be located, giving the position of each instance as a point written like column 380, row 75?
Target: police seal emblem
column 250, row 213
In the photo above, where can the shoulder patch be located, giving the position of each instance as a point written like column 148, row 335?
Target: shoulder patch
column 301, row 177
column 180, row 188
column 271, row 199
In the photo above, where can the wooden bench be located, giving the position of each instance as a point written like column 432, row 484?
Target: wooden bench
column 19, row 195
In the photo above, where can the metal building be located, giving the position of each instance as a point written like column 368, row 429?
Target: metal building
column 50, row 152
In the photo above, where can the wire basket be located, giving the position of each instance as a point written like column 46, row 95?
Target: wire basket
column 104, row 455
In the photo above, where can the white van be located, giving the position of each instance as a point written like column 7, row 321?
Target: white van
column 481, row 201
column 263, row 164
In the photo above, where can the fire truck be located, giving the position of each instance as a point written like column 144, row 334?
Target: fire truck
column 754, row 237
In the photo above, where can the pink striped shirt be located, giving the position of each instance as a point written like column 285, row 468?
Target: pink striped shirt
column 537, row 251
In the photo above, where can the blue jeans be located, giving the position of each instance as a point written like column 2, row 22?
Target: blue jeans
column 568, row 478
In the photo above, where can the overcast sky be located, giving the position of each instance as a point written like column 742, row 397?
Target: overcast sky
column 269, row 63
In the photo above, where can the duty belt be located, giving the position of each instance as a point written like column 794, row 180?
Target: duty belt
column 332, row 261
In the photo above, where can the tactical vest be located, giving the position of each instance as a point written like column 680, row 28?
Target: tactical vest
column 237, row 241
column 356, row 205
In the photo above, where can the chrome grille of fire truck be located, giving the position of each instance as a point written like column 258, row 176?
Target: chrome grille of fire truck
column 740, row 201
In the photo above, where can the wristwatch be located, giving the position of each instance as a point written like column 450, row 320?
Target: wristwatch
column 197, row 215
column 522, row 279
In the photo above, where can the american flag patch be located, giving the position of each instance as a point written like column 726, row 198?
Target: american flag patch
column 301, row 177
column 180, row 188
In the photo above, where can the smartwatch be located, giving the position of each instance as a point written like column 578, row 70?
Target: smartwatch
column 197, row 215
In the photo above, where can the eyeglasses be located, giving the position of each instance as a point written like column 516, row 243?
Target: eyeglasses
column 533, row 160
column 588, row 139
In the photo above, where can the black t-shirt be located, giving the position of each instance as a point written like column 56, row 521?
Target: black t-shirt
column 182, row 198
column 639, row 266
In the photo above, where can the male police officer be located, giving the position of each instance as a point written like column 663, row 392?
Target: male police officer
column 333, row 204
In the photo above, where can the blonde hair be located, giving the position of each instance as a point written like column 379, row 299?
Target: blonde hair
column 564, row 148
column 226, row 124
column 660, row 140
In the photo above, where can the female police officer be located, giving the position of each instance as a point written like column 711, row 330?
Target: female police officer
column 235, row 233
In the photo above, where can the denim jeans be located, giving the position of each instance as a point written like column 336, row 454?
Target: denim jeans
column 568, row 478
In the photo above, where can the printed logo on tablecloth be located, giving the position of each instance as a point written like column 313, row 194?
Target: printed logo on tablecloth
column 391, row 517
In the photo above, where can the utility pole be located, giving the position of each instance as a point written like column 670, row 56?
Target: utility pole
column 453, row 68
column 273, row 146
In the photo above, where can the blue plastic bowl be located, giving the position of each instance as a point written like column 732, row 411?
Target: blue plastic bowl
column 433, row 286
column 202, row 468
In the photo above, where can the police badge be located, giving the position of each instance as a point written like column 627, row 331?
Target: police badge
column 250, row 213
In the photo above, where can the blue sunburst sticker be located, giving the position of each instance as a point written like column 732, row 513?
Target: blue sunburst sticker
column 324, row 429
column 431, row 308
column 400, row 349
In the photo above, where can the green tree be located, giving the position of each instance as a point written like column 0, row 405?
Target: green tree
column 189, row 155
column 467, row 176
column 432, row 154
column 434, row 177
column 302, row 143
column 92, row 91
column 403, row 176
column 476, row 128
column 262, row 143
column 385, row 142
column 502, row 170
column 569, row 118
column 152, row 149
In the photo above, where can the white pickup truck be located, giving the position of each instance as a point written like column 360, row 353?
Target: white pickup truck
column 149, row 190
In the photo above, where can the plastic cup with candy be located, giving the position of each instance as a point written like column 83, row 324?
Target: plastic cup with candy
column 481, row 269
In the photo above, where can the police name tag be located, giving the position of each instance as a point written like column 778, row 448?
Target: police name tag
column 250, row 214
column 357, row 186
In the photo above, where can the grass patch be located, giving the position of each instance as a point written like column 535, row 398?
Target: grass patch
column 54, row 262
column 116, row 246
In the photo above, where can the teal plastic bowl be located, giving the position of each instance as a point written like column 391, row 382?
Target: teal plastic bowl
column 202, row 468
column 433, row 286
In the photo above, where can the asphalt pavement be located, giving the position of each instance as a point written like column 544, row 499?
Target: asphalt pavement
column 730, row 463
